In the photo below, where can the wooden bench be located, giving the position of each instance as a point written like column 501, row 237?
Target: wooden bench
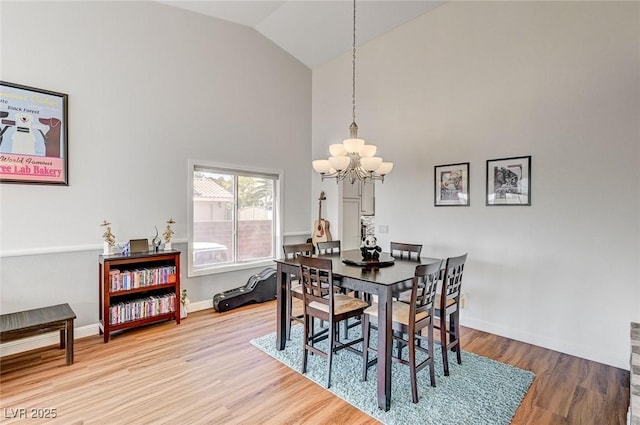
column 23, row 324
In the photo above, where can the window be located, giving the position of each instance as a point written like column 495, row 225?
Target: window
column 234, row 218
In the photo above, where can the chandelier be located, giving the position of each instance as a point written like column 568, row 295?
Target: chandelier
column 353, row 159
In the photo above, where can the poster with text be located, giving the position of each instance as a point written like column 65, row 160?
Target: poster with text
column 33, row 135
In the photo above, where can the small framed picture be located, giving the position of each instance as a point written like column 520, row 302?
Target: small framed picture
column 451, row 185
column 509, row 181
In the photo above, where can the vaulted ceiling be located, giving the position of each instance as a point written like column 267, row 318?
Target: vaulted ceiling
column 314, row 31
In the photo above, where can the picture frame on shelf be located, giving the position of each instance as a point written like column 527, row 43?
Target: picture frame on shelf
column 451, row 185
column 33, row 141
column 509, row 181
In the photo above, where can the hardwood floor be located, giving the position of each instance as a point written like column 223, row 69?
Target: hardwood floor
column 204, row 371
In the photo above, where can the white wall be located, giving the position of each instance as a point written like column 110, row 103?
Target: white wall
column 150, row 87
column 473, row 81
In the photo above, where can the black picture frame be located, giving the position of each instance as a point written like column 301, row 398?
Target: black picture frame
column 509, row 181
column 34, row 146
column 451, row 185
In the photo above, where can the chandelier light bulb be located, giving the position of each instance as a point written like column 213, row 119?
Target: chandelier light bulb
column 368, row 151
column 340, row 162
column 321, row 166
column 337, row 149
column 371, row 164
column 385, row 168
column 353, row 145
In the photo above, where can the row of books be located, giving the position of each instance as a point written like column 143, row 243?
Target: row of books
column 142, row 308
column 138, row 278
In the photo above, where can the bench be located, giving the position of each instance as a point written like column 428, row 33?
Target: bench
column 23, row 324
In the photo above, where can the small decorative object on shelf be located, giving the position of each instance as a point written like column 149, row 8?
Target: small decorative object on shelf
column 167, row 235
column 109, row 238
column 156, row 241
column 184, row 302
column 370, row 249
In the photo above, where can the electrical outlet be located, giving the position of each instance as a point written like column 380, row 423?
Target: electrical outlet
column 463, row 301
column 383, row 228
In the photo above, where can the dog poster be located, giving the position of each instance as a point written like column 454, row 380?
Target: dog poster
column 33, row 135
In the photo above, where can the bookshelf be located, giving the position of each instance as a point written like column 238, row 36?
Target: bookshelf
column 138, row 289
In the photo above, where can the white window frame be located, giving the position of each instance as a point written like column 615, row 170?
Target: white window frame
column 277, row 215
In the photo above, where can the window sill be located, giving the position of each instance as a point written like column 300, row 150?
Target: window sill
column 231, row 268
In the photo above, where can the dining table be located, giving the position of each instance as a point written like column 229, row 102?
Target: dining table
column 383, row 279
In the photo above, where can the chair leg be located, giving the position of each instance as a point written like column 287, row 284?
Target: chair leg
column 456, row 330
column 400, row 346
column 452, row 330
column 365, row 346
column 432, row 366
column 332, row 341
column 412, row 367
column 443, row 342
column 305, row 342
column 289, row 310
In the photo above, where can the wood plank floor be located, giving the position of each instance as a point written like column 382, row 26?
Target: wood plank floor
column 204, row 371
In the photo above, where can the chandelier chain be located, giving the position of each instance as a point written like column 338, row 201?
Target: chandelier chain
column 353, row 91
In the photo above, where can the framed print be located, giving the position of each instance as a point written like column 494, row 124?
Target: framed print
column 33, row 135
column 451, row 185
column 509, row 181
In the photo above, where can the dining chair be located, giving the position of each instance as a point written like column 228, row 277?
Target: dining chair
column 321, row 301
column 329, row 248
column 448, row 307
column 294, row 288
column 410, row 319
column 404, row 251
column 334, row 248
column 408, row 250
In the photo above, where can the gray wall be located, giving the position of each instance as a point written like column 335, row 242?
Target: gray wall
column 150, row 87
column 473, row 81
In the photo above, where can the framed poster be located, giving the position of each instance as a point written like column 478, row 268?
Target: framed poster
column 509, row 181
column 451, row 185
column 33, row 135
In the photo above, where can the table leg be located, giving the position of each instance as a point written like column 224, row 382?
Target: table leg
column 281, row 319
column 69, row 341
column 62, row 338
column 385, row 345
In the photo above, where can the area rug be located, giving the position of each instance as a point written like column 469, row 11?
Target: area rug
column 480, row 391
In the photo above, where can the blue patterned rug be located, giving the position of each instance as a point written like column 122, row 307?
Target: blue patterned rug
column 480, row 391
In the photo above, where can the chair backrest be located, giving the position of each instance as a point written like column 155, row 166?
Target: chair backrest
column 330, row 247
column 423, row 293
column 452, row 281
column 402, row 250
column 297, row 249
column 316, row 276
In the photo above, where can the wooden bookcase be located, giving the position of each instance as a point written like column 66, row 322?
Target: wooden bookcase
column 138, row 289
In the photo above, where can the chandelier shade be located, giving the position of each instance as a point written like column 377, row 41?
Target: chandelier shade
column 353, row 159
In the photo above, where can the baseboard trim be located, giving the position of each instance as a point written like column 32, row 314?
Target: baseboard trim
column 53, row 338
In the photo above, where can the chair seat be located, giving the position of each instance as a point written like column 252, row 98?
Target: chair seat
column 341, row 304
column 450, row 302
column 400, row 312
